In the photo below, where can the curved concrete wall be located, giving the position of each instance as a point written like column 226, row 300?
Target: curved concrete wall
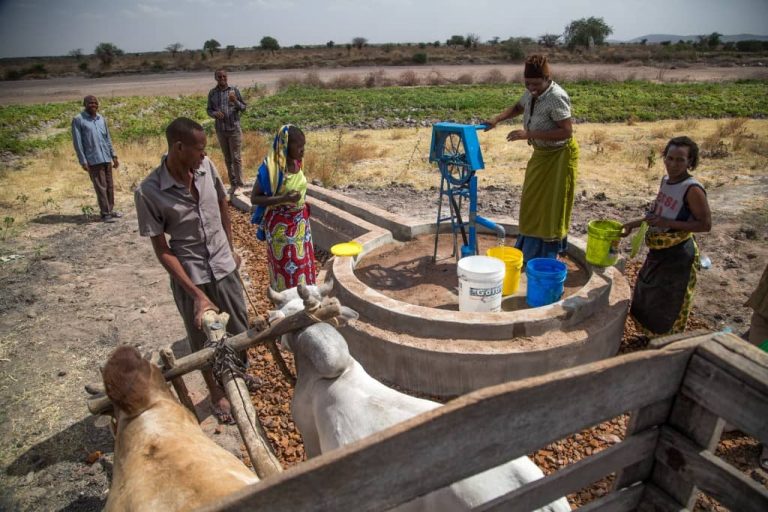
column 449, row 353
column 449, row 367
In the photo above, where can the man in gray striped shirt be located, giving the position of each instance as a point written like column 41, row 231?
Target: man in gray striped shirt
column 225, row 105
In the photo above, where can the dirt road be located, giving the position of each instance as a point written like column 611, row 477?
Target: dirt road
column 170, row 84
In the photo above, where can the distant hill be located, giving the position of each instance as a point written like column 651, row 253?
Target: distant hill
column 657, row 38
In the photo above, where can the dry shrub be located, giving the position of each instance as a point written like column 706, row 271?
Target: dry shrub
column 353, row 152
column 612, row 145
column 408, row 78
column 661, row 132
column 361, row 135
column 312, row 79
column 286, row 81
column 494, row 76
column 320, row 167
column 397, row 135
column 604, row 76
column 435, row 78
column 714, row 146
column 378, row 79
column 758, row 147
column 631, row 77
column 685, row 125
column 732, row 127
column 598, row 137
column 465, row 79
column 345, row 81
column 632, row 120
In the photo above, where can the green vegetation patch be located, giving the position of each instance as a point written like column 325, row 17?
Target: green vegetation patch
column 28, row 127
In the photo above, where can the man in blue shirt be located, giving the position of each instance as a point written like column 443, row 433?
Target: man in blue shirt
column 225, row 105
column 93, row 147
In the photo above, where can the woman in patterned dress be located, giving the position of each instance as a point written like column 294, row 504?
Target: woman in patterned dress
column 550, row 177
column 281, row 212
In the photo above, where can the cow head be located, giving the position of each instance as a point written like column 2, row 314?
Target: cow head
column 290, row 302
column 131, row 382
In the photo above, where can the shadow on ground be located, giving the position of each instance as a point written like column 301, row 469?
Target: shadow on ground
column 70, row 445
column 65, row 219
column 85, row 504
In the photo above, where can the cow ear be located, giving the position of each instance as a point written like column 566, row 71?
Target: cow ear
column 326, row 288
column 274, row 297
column 347, row 315
column 274, row 316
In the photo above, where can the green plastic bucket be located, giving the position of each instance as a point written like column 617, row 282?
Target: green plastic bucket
column 603, row 242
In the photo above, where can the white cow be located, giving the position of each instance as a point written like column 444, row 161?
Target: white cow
column 163, row 460
column 336, row 403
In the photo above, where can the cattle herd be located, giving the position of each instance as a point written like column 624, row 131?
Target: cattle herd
column 336, row 402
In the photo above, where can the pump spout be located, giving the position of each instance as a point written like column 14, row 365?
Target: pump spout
column 489, row 224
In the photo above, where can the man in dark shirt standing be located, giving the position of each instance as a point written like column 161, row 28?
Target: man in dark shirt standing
column 225, row 105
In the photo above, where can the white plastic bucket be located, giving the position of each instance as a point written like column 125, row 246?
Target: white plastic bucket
column 481, row 279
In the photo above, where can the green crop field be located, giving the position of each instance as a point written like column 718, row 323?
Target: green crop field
column 27, row 127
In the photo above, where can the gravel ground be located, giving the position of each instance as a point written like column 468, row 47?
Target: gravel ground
column 273, row 399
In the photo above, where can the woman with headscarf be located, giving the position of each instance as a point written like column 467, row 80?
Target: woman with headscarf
column 550, row 177
column 281, row 212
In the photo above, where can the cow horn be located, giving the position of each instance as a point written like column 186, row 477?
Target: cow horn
column 303, row 291
column 275, row 297
column 326, row 288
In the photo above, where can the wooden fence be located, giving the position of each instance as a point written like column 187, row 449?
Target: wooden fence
column 678, row 397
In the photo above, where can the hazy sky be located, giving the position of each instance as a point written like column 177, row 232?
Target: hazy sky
column 54, row 27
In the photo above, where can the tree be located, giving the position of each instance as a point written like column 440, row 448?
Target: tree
column 586, row 31
column 455, row 41
column 77, row 53
column 549, row 40
column 359, row 42
column 269, row 43
column 211, row 46
column 330, row 44
column 174, row 48
column 713, row 40
column 471, row 41
column 513, row 48
column 230, row 50
column 106, row 52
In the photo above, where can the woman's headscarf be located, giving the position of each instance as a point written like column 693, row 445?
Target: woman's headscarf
column 271, row 173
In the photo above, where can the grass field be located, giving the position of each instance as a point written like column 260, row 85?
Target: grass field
column 28, row 127
column 622, row 127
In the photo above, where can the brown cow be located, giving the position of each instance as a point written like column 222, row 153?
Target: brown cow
column 163, row 460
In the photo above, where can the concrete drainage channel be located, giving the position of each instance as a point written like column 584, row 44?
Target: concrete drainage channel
column 447, row 353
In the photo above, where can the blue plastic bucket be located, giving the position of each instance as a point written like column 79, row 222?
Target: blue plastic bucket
column 546, row 277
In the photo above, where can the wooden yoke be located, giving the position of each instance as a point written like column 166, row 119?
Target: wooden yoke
column 263, row 459
column 329, row 308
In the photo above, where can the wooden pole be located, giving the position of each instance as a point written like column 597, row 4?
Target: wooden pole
column 264, row 461
column 278, row 357
column 169, row 361
column 330, row 308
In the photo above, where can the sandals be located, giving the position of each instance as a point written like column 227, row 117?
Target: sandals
column 224, row 417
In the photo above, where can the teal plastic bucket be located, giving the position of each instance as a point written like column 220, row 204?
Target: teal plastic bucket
column 546, row 278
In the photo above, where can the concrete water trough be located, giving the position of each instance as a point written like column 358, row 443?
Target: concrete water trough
column 445, row 352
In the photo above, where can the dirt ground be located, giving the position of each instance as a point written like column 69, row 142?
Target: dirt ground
column 73, row 289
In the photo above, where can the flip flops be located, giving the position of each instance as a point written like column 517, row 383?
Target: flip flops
column 224, row 417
